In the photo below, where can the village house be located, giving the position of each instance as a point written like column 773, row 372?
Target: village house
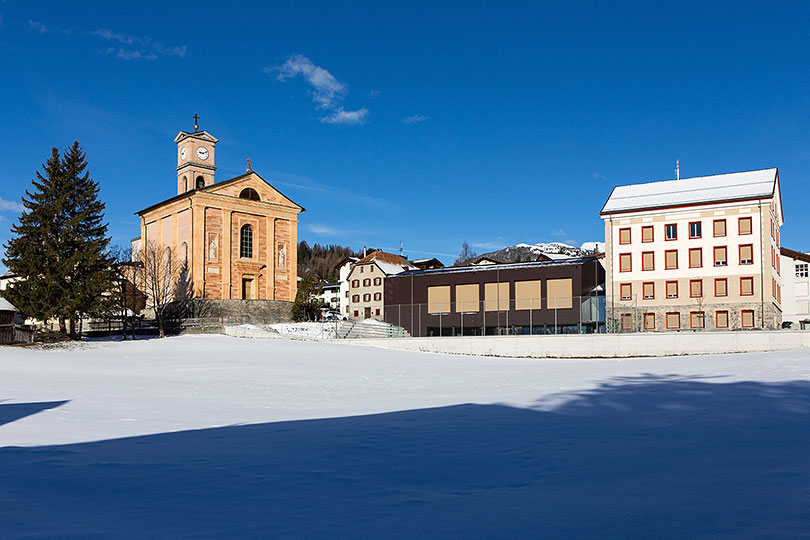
column 366, row 279
column 695, row 253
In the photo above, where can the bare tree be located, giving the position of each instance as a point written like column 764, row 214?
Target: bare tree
column 465, row 256
column 158, row 280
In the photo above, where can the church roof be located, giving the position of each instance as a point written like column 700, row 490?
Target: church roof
column 214, row 186
column 202, row 134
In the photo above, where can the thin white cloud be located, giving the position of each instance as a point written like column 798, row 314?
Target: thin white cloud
column 326, row 89
column 415, row 119
column 10, row 206
column 327, row 92
column 350, row 118
column 138, row 48
column 559, row 233
column 487, row 245
column 323, row 230
column 41, row 29
column 597, row 176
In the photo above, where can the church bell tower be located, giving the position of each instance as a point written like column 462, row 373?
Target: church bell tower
column 195, row 159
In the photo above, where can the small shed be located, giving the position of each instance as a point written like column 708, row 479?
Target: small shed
column 10, row 332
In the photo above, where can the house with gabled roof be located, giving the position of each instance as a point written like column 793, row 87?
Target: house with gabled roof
column 235, row 239
column 366, row 283
column 695, row 253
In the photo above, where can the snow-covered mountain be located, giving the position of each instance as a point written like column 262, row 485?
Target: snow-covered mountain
column 529, row 252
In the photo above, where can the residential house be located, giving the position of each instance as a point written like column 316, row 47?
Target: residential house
column 366, row 283
column 795, row 288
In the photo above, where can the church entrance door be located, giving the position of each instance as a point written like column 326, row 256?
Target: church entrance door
column 247, row 289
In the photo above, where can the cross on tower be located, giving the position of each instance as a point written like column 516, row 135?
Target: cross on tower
column 196, row 127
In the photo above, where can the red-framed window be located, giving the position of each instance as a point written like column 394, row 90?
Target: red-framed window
column 624, row 236
column 648, row 290
column 625, row 262
column 367, row 297
column 649, row 321
column 721, row 319
column 695, row 257
column 697, row 319
column 695, row 288
column 377, row 281
column 746, row 253
column 647, row 261
column 721, row 287
column 671, row 259
column 747, row 286
column 366, row 282
column 627, row 322
column 671, row 231
column 355, row 298
column 377, row 296
column 626, row 291
column 647, row 234
column 695, row 229
column 672, row 289
column 355, row 283
column 747, row 318
column 745, row 225
column 719, row 228
column 673, row 320
column 720, row 255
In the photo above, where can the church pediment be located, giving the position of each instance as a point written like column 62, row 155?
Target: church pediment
column 200, row 135
column 266, row 192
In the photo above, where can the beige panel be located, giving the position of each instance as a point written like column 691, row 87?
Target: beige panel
column 624, row 236
column 167, row 233
column 184, row 226
column 745, row 225
column 647, row 234
column 648, row 261
column 747, row 286
column 625, row 262
column 720, row 227
column 695, row 258
column 496, row 296
column 696, row 288
column 721, row 319
column 560, row 292
column 151, row 234
column 721, row 287
column 527, row 295
column 439, row 299
column 467, row 298
column 671, row 259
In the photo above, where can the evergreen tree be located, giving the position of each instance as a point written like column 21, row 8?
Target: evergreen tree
column 59, row 247
column 304, row 307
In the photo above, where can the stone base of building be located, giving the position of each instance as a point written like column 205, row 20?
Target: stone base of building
column 636, row 322
column 233, row 311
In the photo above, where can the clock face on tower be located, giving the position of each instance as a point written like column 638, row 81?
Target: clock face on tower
column 183, row 154
column 202, row 153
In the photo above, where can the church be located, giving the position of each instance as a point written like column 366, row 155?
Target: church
column 235, row 239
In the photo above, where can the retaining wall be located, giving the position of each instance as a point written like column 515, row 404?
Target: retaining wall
column 600, row 345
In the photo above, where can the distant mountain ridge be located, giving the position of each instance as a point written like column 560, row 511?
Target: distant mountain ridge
column 529, row 252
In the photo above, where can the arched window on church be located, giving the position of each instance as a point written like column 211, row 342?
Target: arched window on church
column 249, row 193
column 200, row 182
column 184, row 253
column 246, row 242
column 185, row 184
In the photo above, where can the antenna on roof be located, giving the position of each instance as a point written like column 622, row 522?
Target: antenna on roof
column 400, row 249
column 678, row 169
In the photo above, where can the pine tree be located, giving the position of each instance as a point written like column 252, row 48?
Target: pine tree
column 304, row 308
column 59, row 247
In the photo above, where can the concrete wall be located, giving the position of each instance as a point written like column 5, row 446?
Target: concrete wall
column 238, row 311
column 601, row 345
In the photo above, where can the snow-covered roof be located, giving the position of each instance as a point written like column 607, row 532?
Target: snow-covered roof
column 7, row 274
column 700, row 190
column 5, row 305
column 497, row 267
column 389, row 263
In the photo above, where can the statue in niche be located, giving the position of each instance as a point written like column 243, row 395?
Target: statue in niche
column 281, row 256
column 212, row 248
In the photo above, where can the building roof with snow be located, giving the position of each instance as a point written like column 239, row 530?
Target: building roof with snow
column 728, row 187
column 389, row 263
column 5, row 305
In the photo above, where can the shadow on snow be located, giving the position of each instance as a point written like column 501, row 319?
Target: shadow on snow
column 651, row 457
column 9, row 412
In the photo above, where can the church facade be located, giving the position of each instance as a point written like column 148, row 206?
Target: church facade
column 235, row 239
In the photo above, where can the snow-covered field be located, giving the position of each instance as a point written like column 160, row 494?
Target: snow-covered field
column 215, row 437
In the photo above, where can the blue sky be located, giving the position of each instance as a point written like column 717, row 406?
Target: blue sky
column 494, row 123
